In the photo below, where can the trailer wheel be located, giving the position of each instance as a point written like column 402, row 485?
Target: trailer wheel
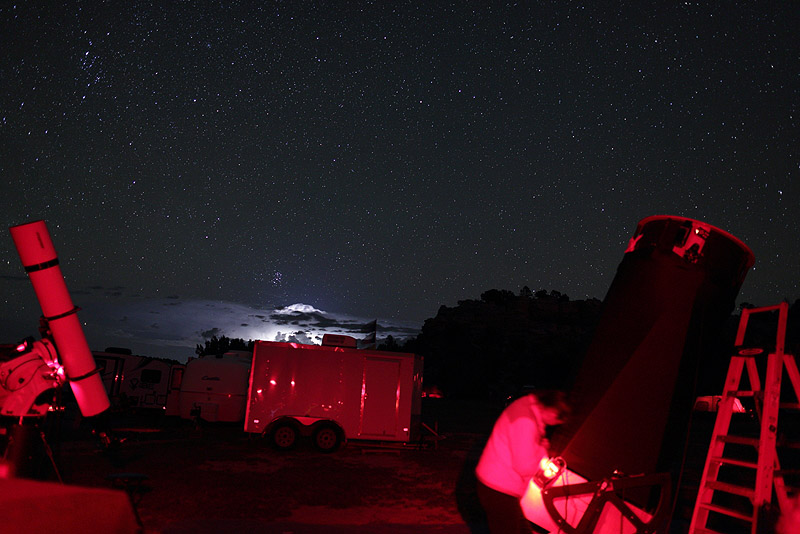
column 284, row 436
column 327, row 438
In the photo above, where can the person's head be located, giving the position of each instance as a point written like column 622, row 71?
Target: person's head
column 555, row 408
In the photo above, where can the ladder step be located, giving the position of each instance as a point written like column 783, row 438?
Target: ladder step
column 727, row 511
column 763, row 440
column 732, row 461
column 738, row 440
column 731, row 488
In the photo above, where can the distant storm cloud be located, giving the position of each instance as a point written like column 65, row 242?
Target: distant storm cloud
column 177, row 326
column 208, row 334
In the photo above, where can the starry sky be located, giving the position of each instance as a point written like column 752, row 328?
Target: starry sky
column 202, row 166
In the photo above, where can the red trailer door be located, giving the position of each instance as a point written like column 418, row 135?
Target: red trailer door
column 380, row 397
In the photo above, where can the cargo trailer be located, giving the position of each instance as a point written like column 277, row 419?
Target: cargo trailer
column 333, row 394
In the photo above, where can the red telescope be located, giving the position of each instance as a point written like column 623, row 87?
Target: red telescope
column 41, row 263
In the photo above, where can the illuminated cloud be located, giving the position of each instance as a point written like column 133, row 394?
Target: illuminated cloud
column 172, row 328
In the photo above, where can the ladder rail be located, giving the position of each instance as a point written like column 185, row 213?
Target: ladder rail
column 721, row 427
column 768, row 437
column 790, row 364
column 767, row 396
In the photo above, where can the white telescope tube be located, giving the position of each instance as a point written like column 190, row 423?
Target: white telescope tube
column 39, row 258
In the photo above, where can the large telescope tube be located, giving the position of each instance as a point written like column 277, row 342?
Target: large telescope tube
column 669, row 300
column 41, row 263
column 662, row 317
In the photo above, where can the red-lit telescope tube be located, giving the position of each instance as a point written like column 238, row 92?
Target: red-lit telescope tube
column 41, row 263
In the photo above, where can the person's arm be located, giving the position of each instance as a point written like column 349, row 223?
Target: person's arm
column 527, row 446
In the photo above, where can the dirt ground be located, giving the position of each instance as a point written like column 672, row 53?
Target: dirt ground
column 216, row 478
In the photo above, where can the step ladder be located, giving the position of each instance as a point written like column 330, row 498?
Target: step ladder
column 722, row 498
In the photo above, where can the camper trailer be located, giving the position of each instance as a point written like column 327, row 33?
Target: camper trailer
column 214, row 387
column 138, row 382
column 332, row 393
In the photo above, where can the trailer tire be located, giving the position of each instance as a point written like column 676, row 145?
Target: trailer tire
column 284, row 436
column 327, row 438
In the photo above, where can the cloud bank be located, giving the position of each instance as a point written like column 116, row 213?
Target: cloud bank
column 172, row 328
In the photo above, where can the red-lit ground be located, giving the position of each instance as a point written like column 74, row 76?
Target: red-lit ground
column 217, row 479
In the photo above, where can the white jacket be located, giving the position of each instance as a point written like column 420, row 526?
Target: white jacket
column 515, row 448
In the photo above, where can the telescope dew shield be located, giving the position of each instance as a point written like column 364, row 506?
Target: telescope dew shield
column 39, row 258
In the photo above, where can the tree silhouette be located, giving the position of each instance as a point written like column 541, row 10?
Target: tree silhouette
column 490, row 348
column 223, row 344
column 391, row 344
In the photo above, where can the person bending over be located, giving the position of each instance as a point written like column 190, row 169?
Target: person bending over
column 511, row 457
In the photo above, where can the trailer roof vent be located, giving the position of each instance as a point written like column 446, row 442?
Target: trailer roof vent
column 336, row 340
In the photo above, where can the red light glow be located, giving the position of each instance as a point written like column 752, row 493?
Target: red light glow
column 272, row 382
column 549, row 470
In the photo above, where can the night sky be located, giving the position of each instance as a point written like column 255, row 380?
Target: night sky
column 201, row 166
